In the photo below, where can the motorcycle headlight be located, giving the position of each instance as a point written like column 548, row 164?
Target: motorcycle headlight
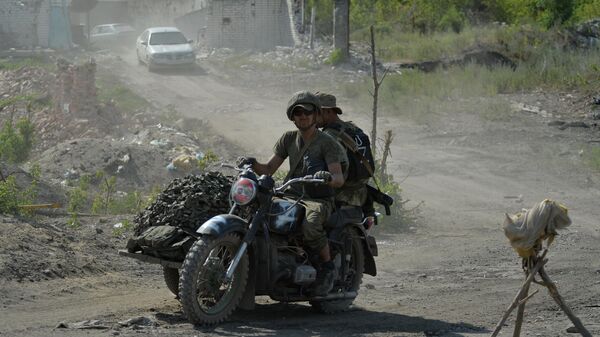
column 243, row 191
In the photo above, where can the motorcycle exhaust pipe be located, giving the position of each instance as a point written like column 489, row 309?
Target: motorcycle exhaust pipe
column 349, row 295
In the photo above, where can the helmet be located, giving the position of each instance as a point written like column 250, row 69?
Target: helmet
column 306, row 99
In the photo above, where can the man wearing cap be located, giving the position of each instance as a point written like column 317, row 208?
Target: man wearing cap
column 310, row 152
column 354, row 191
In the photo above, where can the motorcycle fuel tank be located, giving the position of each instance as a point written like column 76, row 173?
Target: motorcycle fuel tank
column 285, row 217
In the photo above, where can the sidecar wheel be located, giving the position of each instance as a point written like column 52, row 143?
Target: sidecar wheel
column 357, row 265
column 205, row 297
column 172, row 279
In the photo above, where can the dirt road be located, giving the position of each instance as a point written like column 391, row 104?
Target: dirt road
column 452, row 275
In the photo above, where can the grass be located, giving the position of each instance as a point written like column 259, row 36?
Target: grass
column 395, row 45
column 127, row 101
column 15, row 64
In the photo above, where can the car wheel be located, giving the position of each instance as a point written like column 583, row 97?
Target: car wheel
column 139, row 59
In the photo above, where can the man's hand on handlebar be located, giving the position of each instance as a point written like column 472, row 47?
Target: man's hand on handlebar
column 241, row 161
column 326, row 176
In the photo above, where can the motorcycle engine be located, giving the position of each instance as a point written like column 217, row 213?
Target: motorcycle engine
column 298, row 272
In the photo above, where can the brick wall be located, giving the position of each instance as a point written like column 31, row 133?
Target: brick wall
column 24, row 23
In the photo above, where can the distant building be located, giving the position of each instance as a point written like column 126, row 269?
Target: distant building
column 238, row 24
column 34, row 23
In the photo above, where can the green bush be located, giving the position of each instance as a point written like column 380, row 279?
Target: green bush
column 12, row 195
column 16, row 140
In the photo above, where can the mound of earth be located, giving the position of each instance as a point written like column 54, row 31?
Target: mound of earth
column 32, row 250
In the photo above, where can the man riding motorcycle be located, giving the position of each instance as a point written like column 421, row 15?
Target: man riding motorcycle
column 310, row 152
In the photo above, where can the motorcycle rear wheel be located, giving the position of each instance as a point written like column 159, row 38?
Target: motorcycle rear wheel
column 357, row 264
column 205, row 297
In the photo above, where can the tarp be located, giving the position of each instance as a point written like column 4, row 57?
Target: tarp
column 526, row 230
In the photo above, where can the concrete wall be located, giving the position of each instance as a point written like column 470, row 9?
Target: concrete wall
column 151, row 13
column 248, row 24
column 24, row 26
column 238, row 24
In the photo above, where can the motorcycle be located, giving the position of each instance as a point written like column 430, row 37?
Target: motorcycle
column 236, row 258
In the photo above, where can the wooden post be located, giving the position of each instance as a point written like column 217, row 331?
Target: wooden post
column 561, row 303
column 520, row 296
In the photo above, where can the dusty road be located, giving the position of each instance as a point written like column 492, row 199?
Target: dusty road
column 452, row 275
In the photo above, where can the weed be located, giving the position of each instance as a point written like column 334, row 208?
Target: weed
column 126, row 226
column 123, row 98
column 208, row 159
column 78, row 200
column 9, row 192
column 336, row 57
column 103, row 200
column 593, row 158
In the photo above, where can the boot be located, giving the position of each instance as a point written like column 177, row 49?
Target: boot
column 325, row 278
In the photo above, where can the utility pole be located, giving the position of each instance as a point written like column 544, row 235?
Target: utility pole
column 341, row 26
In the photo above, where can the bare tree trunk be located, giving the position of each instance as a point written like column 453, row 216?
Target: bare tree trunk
column 374, row 94
column 313, row 14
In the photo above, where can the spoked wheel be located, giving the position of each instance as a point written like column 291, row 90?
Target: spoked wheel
column 350, row 284
column 205, row 296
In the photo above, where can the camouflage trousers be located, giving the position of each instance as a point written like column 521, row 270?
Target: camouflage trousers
column 313, row 231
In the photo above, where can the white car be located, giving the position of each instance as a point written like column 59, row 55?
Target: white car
column 112, row 35
column 162, row 47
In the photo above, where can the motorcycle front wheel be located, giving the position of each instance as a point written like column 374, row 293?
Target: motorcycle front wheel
column 205, row 296
column 350, row 284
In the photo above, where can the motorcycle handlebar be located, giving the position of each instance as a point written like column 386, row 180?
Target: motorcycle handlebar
column 305, row 179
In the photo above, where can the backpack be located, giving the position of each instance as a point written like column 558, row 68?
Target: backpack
column 358, row 148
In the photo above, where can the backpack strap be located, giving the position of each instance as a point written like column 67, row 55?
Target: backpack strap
column 293, row 165
column 350, row 144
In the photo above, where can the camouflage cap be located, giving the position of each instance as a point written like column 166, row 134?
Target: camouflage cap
column 328, row 102
column 305, row 99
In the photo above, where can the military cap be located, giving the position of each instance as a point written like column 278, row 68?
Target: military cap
column 304, row 99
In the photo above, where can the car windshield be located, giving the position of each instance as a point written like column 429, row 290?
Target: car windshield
column 167, row 38
column 123, row 28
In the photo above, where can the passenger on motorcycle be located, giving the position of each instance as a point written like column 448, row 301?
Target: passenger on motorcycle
column 310, row 152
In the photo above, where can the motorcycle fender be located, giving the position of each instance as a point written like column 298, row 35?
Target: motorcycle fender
column 368, row 245
column 220, row 225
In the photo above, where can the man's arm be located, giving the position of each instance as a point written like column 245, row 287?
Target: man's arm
column 270, row 167
column 337, row 177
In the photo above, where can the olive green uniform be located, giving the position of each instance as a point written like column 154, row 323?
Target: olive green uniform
column 352, row 193
column 322, row 151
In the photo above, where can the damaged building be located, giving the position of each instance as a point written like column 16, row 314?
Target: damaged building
column 34, row 23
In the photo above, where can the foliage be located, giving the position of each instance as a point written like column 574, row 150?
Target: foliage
column 12, row 195
column 9, row 192
column 208, row 159
column 105, row 199
column 16, row 141
column 126, row 226
column 78, row 200
column 400, row 217
column 336, row 57
column 121, row 96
